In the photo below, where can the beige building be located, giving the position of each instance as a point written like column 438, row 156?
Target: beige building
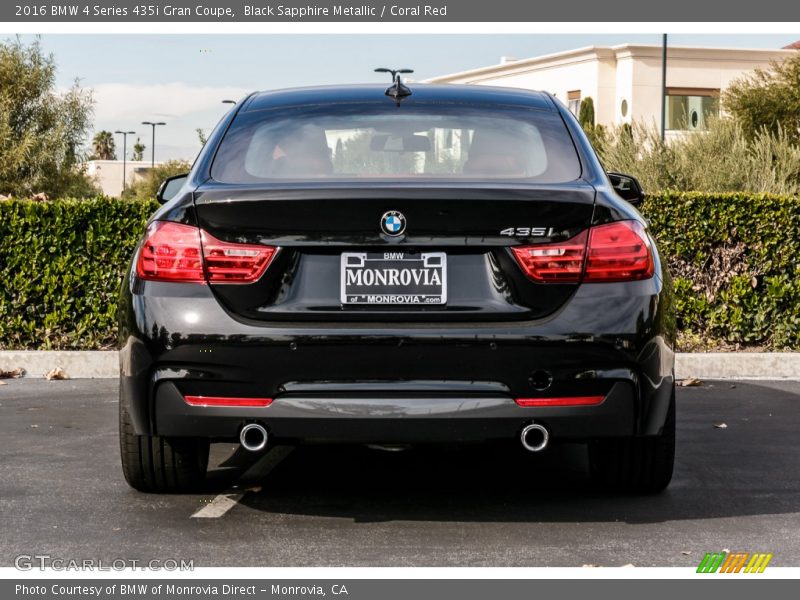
column 625, row 81
column 108, row 174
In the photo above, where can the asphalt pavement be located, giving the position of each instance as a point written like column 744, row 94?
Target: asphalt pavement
column 736, row 487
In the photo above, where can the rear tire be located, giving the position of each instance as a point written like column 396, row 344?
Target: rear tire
column 635, row 465
column 159, row 464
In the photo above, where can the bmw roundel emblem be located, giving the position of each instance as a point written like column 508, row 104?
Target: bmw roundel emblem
column 393, row 223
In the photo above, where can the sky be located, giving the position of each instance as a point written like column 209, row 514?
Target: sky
column 183, row 79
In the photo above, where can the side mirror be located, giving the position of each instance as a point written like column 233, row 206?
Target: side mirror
column 627, row 187
column 169, row 187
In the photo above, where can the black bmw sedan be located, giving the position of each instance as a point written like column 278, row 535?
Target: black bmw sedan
column 347, row 264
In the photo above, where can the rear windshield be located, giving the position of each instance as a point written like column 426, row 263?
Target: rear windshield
column 388, row 142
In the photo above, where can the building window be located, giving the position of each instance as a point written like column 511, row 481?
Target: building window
column 574, row 101
column 689, row 109
column 448, row 139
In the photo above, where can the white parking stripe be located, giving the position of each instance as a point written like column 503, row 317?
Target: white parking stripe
column 218, row 506
column 222, row 503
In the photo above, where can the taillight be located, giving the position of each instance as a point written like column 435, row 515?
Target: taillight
column 171, row 252
column 561, row 262
column 617, row 251
column 235, row 263
column 183, row 253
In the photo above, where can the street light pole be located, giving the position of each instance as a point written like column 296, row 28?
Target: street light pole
column 153, row 141
column 125, row 135
column 663, row 87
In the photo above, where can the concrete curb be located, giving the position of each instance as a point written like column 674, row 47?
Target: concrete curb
column 79, row 364
column 712, row 365
column 738, row 365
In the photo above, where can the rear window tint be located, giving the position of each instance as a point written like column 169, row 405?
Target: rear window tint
column 356, row 142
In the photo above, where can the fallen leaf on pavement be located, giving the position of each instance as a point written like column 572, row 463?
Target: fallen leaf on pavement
column 720, row 425
column 12, row 374
column 687, row 552
column 57, row 373
column 690, row 382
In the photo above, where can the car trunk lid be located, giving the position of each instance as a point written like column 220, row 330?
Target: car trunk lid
column 471, row 226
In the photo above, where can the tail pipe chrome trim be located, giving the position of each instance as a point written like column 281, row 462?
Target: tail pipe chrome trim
column 534, row 437
column 253, row 437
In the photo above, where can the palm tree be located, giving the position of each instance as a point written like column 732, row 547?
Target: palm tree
column 138, row 150
column 103, row 146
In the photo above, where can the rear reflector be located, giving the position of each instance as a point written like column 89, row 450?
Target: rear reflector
column 225, row 401
column 617, row 251
column 565, row 401
column 183, row 253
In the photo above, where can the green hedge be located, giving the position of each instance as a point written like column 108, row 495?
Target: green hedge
column 60, row 269
column 734, row 261
column 733, row 258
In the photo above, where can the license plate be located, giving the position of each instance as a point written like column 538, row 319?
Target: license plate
column 394, row 278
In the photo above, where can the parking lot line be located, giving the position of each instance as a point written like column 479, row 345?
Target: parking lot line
column 222, row 503
column 218, row 506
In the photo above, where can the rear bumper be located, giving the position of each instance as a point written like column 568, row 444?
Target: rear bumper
column 392, row 418
column 397, row 382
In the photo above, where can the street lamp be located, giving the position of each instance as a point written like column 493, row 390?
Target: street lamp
column 663, row 87
column 153, row 142
column 229, row 101
column 125, row 135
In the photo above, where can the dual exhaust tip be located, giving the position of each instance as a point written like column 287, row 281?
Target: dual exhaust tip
column 533, row 437
column 253, row 437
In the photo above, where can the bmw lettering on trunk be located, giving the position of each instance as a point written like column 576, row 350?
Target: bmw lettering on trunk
column 417, row 264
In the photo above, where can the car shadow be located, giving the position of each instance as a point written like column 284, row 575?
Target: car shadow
column 747, row 467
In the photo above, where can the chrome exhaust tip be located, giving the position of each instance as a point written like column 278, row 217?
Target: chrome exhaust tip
column 534, row 437
column 253, row 437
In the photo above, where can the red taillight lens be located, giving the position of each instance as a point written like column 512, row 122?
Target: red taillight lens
column 235, row 263
column 171, row 252
column 226, row 401
column 618, row 252
column 561, row 262
column 183, row 253
column 564, row 401
column 613, row 252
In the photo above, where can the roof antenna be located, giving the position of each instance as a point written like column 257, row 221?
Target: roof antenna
column 398, row 90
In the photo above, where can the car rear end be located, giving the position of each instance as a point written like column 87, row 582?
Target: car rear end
column 339, row 268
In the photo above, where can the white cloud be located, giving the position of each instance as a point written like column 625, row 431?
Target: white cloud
column 163, row 101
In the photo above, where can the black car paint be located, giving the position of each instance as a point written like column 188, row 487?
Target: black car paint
column 185, row 339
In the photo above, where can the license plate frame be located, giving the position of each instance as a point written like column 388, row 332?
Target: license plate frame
column 421, row 290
